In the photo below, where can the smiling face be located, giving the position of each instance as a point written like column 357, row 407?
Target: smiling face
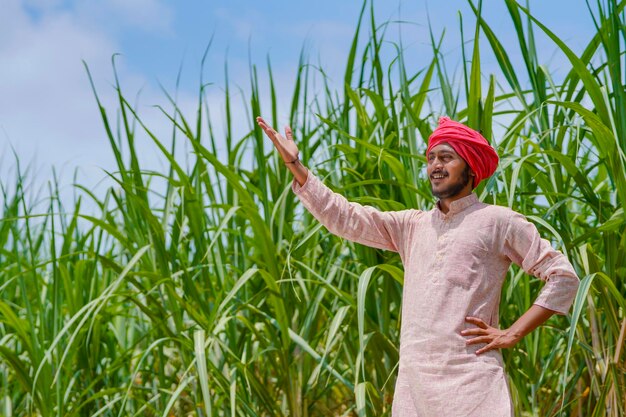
column 449, row 174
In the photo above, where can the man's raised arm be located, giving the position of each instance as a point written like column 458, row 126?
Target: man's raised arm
column 353, row 221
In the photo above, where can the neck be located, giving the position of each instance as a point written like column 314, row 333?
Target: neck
column 444, row 203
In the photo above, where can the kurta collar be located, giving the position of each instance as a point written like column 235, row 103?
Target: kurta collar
column 459, row 205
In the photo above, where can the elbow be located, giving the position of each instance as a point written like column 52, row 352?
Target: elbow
column 571, row 284
column 559, row 292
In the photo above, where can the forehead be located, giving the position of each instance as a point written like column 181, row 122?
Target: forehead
column 442, row 148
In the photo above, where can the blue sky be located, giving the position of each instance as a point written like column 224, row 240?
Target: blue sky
column 47, row 111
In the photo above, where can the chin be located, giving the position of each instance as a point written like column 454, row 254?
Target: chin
column 445, row 193
column 439, row 194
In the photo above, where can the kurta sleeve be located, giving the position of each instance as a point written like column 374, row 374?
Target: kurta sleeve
column 524, row 246
column 350, row 220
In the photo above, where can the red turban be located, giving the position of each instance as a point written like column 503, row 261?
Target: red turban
column 469, row 144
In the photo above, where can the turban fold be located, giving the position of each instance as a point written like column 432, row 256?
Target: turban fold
column 469, row 144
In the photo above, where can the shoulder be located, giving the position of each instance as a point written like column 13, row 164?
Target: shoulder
column 500, row 212
column 410, row 214
column 404, row 217
column 500, row 216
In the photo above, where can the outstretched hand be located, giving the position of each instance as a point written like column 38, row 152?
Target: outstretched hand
column 284, row 144
column 493, row 337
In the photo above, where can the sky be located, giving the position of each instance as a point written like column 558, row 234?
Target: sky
column 48, row 114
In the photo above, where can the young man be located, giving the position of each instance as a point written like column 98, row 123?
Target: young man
column 456, row 257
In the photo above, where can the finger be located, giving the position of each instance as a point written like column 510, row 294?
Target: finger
column 259, row 120
column 474, row 331
column 479, row 339
column 263, row 126
column 487, row 348
column 288, row 133
column 269, row 131
column 476, row 321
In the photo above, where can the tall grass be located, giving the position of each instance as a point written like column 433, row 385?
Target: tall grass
column 216, row 295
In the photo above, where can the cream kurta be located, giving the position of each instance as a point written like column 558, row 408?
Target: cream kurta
column 454, row 266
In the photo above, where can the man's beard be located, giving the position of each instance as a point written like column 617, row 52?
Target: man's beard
column 454, row 189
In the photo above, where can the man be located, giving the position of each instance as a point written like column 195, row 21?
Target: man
column 456, row 257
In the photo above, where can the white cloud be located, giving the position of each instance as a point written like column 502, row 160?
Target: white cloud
column 42, row 5
column 149, row 15
column 47, row 109
column 110, row 15
column 244, row 24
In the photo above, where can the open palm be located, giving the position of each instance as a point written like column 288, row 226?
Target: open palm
column 284, row 144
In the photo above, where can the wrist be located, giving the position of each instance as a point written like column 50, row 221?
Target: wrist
column 514, row 334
